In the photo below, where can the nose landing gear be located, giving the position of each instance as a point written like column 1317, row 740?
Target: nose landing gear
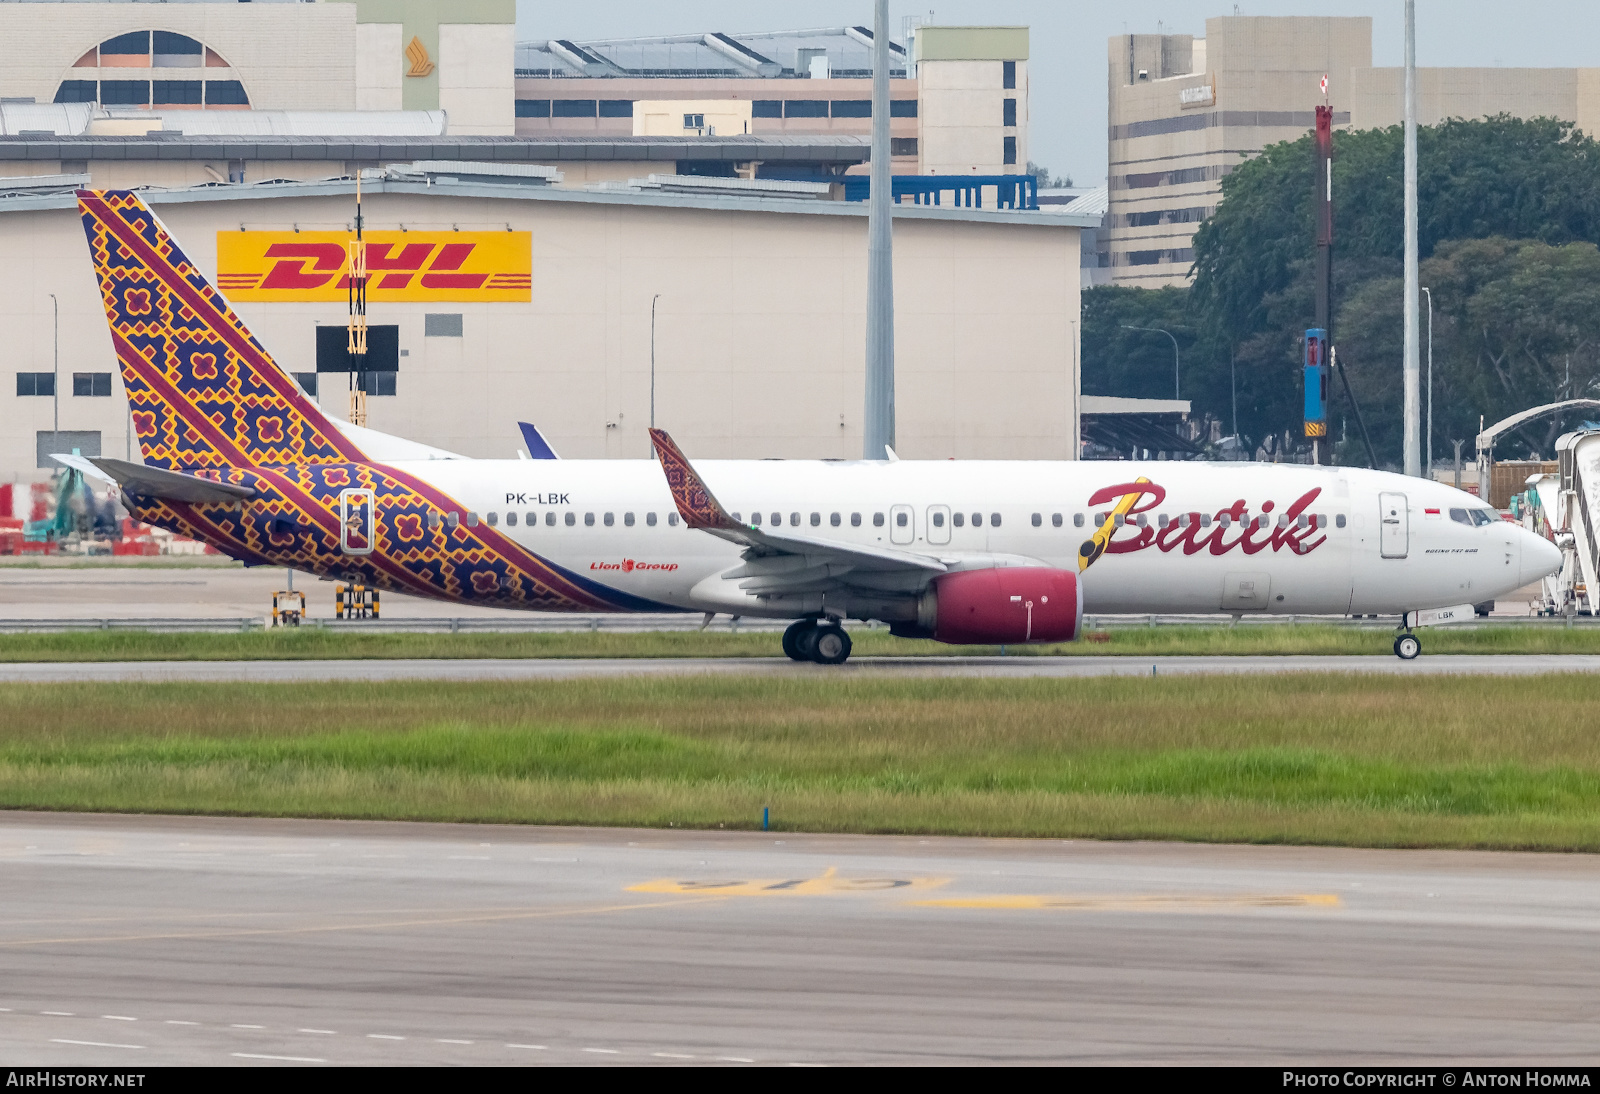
column 824, row 642
column 1407, row 646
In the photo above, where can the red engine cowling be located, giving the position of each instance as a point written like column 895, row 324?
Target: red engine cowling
column 1007, row 604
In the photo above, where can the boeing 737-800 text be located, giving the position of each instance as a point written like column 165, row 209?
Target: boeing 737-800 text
column 236, row 455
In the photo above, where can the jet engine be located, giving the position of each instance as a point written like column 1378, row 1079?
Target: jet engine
column 1006, row 604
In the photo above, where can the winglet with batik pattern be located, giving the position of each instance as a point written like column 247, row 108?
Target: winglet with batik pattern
column 696, row 505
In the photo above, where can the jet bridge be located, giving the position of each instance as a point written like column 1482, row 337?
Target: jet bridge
column 1565, row 507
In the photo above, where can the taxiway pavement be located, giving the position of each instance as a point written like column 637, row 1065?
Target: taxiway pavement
column 382, row 670
column 155, row 940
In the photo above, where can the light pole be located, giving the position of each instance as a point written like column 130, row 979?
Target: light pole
column 55, row 371
column 1411, row 402
column 1428, row 452
column 1158, row 330
column 653, row 300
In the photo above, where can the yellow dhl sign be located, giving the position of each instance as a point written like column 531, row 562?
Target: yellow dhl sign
column 401, row 266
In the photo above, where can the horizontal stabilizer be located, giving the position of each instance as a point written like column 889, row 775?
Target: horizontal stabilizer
column 538, row 447
column 154, row 482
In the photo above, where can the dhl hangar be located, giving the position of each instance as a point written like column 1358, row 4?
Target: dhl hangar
column 579, row 235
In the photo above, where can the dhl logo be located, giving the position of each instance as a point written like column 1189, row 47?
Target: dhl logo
column 401, row 266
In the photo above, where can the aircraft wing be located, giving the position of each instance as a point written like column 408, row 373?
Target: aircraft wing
column 778, row 563
column 153, row 482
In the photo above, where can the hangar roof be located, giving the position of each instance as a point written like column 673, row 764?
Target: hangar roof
column 446, row 186
column 771, row 54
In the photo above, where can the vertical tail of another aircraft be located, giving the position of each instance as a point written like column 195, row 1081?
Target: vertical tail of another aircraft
column 202, row 391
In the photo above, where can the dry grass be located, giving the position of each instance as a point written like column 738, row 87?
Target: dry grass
column 1314, row 758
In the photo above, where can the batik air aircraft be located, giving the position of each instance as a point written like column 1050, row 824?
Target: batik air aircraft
column 236, row 455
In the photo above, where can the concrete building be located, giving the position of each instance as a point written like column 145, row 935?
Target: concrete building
column 1185, row 111
column 456, row 57
column 760, row 316
column 958, row 95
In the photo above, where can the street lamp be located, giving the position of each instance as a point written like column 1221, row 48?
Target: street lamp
column 1429, row 451
column 1158, row 330
column 653, row 300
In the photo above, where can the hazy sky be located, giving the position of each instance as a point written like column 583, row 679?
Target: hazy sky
column 1068, row 64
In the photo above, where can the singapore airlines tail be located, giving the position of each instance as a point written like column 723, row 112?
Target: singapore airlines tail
column 203, row 392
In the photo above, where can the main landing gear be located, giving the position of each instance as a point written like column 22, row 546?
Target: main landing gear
column 1407, row 646
column 822, row 641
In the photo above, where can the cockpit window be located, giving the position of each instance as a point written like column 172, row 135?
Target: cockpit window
column 1480, row 517
column 1460, row 516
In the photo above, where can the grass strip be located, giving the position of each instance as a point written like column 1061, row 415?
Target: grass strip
column 333, row 642
column 1312, row 758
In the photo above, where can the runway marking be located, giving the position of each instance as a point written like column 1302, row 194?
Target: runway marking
column 290, row 1059
column 382, row 925
column 1180, row 902
column 386, row 1037
column 673, row 1055
column 541, row 1048
column 829, row 884
column 91, row 1044
column 333, row 1031
column 605, row 1051
column 734, row 1059
column 238, row 1025
column 180, row 1022
column 119, row 1018
column 451, row 1041
column 58, row 1013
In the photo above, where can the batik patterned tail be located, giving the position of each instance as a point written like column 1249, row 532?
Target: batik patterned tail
column 201, row 390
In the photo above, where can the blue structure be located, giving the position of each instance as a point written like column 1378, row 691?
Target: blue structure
column 966, row 191
column 1316, row 382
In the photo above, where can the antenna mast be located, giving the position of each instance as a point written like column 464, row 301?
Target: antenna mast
column 356, row 345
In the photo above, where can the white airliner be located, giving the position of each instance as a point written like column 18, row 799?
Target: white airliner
column 236, row 455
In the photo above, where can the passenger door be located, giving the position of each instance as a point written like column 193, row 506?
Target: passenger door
column 1394, row 526
column 902, row 527
column 357, row 515
column 938, row 530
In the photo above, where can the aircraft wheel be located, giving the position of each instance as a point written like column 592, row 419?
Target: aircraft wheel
column 830, row 645
column 1406, row 647
column 791, row 638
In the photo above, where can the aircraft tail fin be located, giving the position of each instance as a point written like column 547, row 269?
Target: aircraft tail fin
column 201, row 390
column 538, row 447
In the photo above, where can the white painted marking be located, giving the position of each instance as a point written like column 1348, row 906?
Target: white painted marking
column 452, row 1041
column 236, row 1025
column 319, row 1031
column 6, row 1010
column 119, row 1018
column 385, row 1037
column 180, row 1022
column 606, row 1051
column 291, row 1059
column 673, row 1055
column 469, row 858
column 539, row 1047
column 57, row 1013
column 92, row 1044
column 734, row 1059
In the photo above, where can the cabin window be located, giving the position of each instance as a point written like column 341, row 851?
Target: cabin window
column 1263, row 521
column 1038, row 520
column 610, row 519
column 835, row 520
column 902, row 519
column 1226, row 520
column 958, row 519
column 1161, row 521
column 855, row 520
column 938, row 519
column 511, row 520
column 877, row 520
column 1304, row 521
column 1077, row 520
column 494, row 519
column 736, row 516
column 1055, row 520
column 627, row 520
column 433, row 519
column 794, row 520
column 650, row 519
column 1205, row 520
column 472, row 520
column 549, row 519
column 1120, row 520
column 816, row 520
column 1283, row 520
column 672, row 519
column 977, row 520
column 1142, row 521
column 572, row 519
column 452, row 519
column 994, row 520
column 755, row 519
column 1339, row 520
column 588, row 520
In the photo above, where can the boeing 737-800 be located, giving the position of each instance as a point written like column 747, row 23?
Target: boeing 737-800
column 235, row 454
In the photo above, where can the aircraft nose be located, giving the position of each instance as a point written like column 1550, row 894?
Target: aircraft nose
column 1540, row 557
